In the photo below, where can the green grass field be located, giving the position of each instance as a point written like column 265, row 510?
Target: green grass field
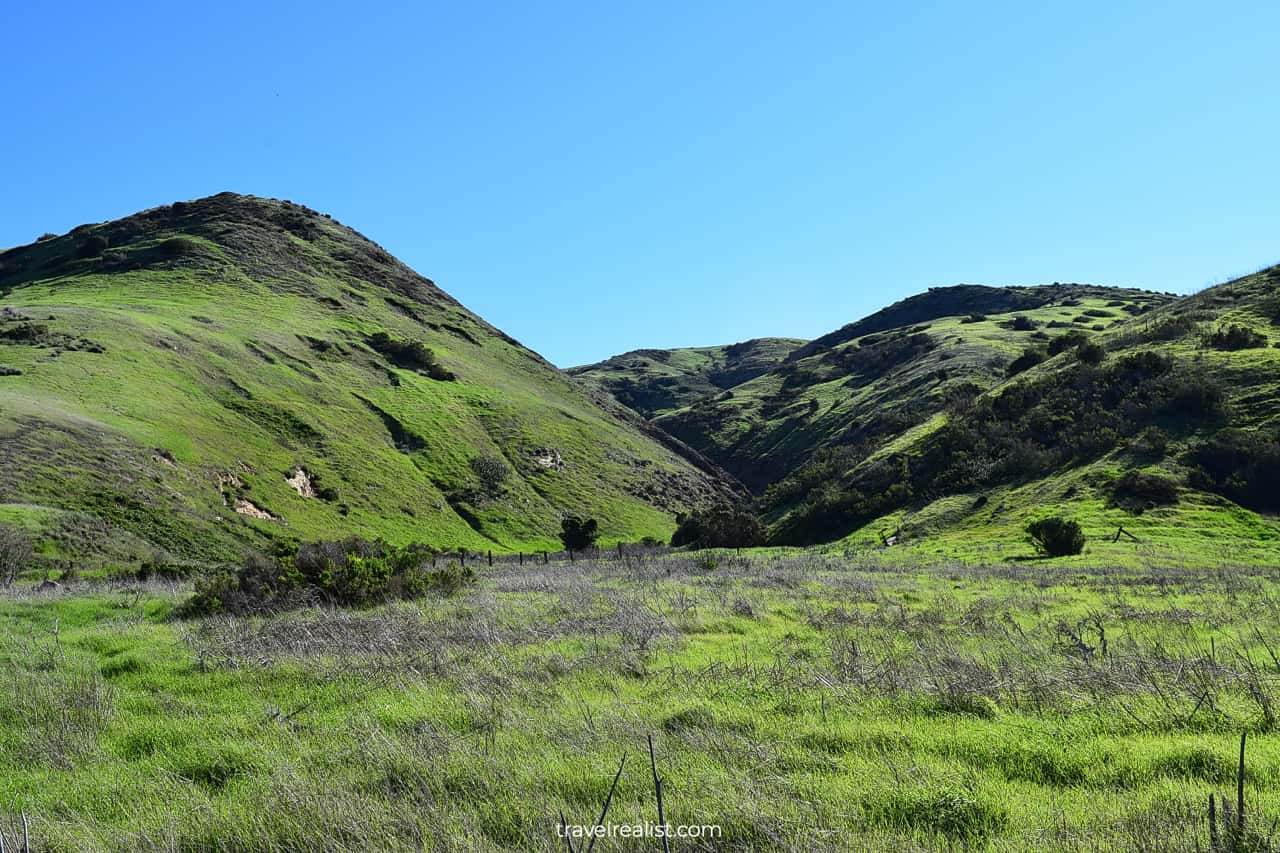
column 798, row 700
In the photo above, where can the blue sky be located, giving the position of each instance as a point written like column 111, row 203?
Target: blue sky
column 597, row 177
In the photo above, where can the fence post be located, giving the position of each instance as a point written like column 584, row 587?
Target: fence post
column 619, row 550
column 491, row 559
column 545, row 559
column 522, row 558
column 462, row 557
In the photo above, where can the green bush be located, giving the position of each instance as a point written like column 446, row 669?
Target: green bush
column 719, row 527
column 1235, row 337
column 1031, row 356
column 350, row 571
column 410, row 355
column 1090, row 353
column 422, row 579
column 1056, row 536
column 177, row 247
column 1066, row 341
column 578, row 534
column 1241, row 465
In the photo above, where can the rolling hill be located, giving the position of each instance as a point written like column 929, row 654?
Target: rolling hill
column 210, row 376
column 878, row 377
column 953, row 418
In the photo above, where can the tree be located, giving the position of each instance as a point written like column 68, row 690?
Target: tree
column 492, row 471
column 718, row 527
column 578, row 534
column 15, row 554
column 1056, row 536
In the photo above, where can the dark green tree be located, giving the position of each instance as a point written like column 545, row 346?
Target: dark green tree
column 578, row 534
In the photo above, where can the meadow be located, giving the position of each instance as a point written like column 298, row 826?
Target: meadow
column 797, row 700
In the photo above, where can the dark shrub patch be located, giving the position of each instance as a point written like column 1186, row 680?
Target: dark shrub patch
column 1137, row 491
column 1066, row 341
column 1022, row 323
column 1090, row 353
column 1241, row 465
column 1152, row 441
column 410, row 355
column 177, row 247
column 351, row 571
column 92, row 246
column 1235, row 337
column 1030, row 357
column 1056, row 536
column 719, row 527
column 578, row 534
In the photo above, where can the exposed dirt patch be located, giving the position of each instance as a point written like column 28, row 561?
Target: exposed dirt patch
column 249, row 508
column 302, row 483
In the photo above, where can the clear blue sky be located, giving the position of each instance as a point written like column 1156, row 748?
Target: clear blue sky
column 601, row 176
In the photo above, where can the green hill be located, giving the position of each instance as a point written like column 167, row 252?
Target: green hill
column 952, row 419
column 655, row 381
column 210, row 376
column 877, row 378
column 1168, row 427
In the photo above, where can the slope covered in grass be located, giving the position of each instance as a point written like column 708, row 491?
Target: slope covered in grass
column 873, row 380
column 1166, row 424
column 655, row 381
column 217, row 374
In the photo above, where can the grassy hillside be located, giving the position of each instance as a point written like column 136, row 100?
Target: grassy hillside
column 655, row 382
column 873, row 380
column 212, row 375
column 1165, row 423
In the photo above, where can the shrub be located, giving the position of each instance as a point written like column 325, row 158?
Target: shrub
column 1138, row 491
column 1235, row 337
column 1241, row 465
column 92, row 247
column 410, row 355
column 578, row 534
column 1023, row 323
column 1064, row 342
column 15, row 554
column 1030, row 357
column 177, row 247
column 719, row 527
column 351, row 571
column 1090, row 353
column 492, row 471
column 1056, row 536
column 46, row 237
column 423, row 580
column 1152, row 441
column 974, row 318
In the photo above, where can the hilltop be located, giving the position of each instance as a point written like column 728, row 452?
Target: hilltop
column 212, row 376
column 656, row 381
